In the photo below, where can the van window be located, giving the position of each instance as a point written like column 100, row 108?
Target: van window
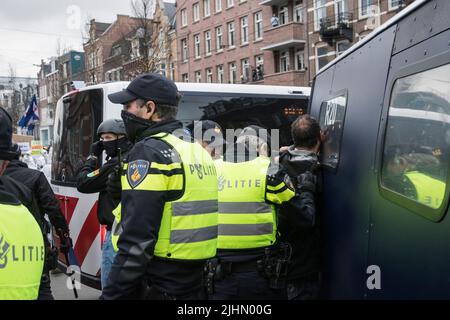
column 77, row 119
column 239, row 111
column 331, row 119
column 417, row 143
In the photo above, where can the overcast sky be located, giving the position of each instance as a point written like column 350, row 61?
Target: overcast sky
column 30, row 29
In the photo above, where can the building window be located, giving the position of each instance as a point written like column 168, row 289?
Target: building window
column 65, row 69
column 284, row 61
column 116, row 51
column 340, row 7
column 416, row 147
column 259, row 72
column 207, row 8
column 209, row 75
column 218, row 5
column 196, row 11
column 135, row 48
column 395, row 4
column 320, row 12
column 298, row 13
column 183, row 18
column 244, row 30
column 258, row 26
column 197, row 46
column 219, row 39
column 230, row 3
column 162, row 69
column 232, row 67
column 231, row 34
column 198, row 76
column 208, row 47
column 322, row 57
column 283, row 14
column 185, row 77
column 220, row 74
column 364, row 8
column 184, row 51
column 341, row 46
column 299, row 59
column 245, row 77
column 172, row 71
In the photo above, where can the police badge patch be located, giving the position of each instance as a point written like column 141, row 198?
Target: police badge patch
column 137, row 171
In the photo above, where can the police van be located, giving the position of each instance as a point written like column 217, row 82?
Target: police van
column 384, row 106
column 79, row 113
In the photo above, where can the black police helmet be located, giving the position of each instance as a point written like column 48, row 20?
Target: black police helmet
column 115, row 126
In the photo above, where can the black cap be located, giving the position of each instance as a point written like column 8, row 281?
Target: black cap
column 5, row 136
column 205, row 125
column 148, row 86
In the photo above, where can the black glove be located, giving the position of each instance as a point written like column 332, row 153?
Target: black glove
column 114, row 186
column 307, row 182
column 97, row 149
column 65, row 241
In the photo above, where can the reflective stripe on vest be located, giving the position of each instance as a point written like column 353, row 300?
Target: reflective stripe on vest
column 430, row 191
column 22, row 254
column 116, row 228
column 188, row 228
column 245, row 219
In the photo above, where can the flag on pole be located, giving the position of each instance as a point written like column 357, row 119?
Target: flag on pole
column 31, row 114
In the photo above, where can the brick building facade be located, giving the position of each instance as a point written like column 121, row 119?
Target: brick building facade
column 273, row 42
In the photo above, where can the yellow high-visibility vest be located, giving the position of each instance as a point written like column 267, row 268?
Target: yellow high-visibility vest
column 430, row 191
column 22, row 254
column 188, row 228
column 245, row 219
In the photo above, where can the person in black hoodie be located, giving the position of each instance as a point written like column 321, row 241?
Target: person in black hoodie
column 93, row 178
column 301, row 228
column 33, row 190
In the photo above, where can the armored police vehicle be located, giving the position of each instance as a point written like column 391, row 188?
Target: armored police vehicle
column 79, row 113
column 384, row 106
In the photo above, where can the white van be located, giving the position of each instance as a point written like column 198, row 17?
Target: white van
column 79, row 113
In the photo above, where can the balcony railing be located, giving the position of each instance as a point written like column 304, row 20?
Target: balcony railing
column 339, row 26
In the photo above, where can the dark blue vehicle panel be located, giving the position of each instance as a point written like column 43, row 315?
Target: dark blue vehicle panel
column 361, row 225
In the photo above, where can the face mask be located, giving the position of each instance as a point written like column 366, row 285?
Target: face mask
column 110, row 148
column 134, row 125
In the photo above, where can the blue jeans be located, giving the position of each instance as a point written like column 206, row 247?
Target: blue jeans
column 108, row 256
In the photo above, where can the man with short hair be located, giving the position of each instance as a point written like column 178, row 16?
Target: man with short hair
column 300, row 228
column 251, row 261
column 169, row 200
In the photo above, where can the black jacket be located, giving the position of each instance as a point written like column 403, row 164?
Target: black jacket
column 141, row 220
column 300, row 228
column 42, row 192
column 13, row 191
column 92, row 179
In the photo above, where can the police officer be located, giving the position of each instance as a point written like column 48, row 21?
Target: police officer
column 93, row 178
column 250, row 191
column 47, row 203
column 209, row 134
column 300, row 228
column 20, row 274
column 169, row 199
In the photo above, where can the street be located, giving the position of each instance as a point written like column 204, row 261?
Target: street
column 61, row 292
